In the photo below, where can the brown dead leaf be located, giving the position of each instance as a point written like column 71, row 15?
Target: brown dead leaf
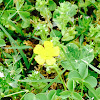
column 8, row 50
column 53, row 86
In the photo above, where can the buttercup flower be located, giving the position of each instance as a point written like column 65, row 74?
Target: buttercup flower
column 47, row 53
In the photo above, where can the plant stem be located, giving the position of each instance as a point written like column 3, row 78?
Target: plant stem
column 31, row 60
column 23, row 96
column 21, row 67
column 60, row 78
column 52, row 81
column 15, row 93
column 91, row 66
column 82, row 89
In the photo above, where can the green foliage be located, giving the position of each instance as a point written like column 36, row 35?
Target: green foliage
column 42, row 96
column 69, row 34
column 63, row 14
column 41, row 6
column 73, row 26
column 35, row 76
column 30, row 96
column 2, row 43
column 94, row 38
column 85, row 4
column 75, row 56
column 55, row 33
column 83, row 27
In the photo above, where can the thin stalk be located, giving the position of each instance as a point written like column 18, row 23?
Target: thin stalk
column 14, row 93
column 91, row 66
column 46, row 88
column 31, row 60
column 5, row 8
column 60, row 78
column 23, row 96
column 82, row 89
column 21, row 67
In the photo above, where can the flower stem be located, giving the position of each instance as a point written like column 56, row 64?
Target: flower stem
column 60, row 78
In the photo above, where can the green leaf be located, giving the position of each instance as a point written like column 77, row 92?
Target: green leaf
column 77, row 96
column 65, row 94
column 51, row 94
column 83, row 71
column 74, row 74
column 55, row 33
column 25, row 16
column 69, row 34
column 41, row 96
column 71, row 85
column 62, row 15
column 19, row 4
column 92, row 90
column 1, row 34
column 52, row 5
column 92, row 73
column 41, row 80
column 97, row 92
column 30, row 96
column 76, row 56
column 83, row 27
column 91, row 80
column 12, row 41
column 19, row 47
column 7, row 55
column 81, row 39
column 2, row 43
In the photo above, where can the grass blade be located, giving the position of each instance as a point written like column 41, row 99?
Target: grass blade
column 13, row 42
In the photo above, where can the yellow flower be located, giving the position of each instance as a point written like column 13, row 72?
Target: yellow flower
column 47, row 53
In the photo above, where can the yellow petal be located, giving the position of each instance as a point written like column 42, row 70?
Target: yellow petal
column 48, row 44
column 56, row 51
column 38, row 49
column 51, row 61
column 49, row 52
column 39, row 60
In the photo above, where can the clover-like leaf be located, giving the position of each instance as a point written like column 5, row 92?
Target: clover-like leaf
column 41, row 96
column 75, row 57
column 25, row 16
column 91, row 80
column 65, row 94
column 30, row 96
column 83, row 71
column 19, row 4
column 71, row 85
column 74, row 74
column 77, row 96
column 51, row 95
